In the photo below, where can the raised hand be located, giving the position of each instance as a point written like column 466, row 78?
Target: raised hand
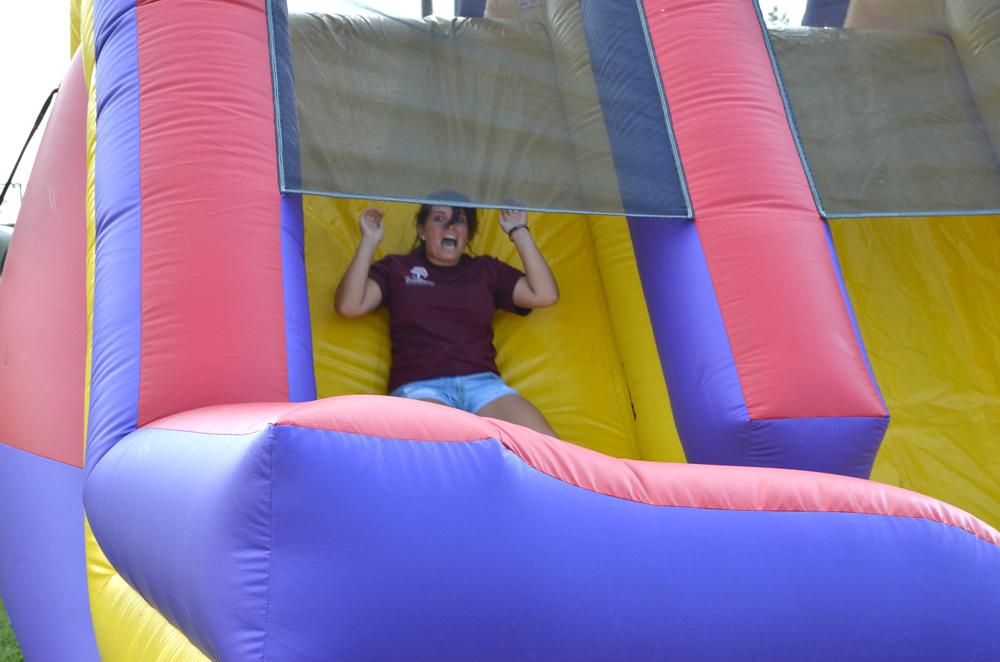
column 512, row 218
column 357, row 294
column 371, row 224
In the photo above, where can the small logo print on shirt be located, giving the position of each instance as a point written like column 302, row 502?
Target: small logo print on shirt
column 418, row 276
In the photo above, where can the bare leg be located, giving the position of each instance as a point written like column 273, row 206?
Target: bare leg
column 515, row 409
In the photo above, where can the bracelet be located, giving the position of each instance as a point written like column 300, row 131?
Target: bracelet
column 516, row 227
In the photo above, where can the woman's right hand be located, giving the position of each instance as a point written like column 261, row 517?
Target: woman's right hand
column 357, row 294
column 371, row 225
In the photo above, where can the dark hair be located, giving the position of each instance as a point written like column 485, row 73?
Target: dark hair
column 448, row 199
column 470, row 216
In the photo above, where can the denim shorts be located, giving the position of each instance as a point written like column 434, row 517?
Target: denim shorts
column 466, row 392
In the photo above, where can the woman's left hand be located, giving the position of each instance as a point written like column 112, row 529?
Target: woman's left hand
column 538, row 287
column 512, row 218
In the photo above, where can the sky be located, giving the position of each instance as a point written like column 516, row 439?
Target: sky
column 34, row 47
column 793, row 9
column 411, row 8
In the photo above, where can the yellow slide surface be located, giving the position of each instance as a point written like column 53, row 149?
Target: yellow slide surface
column 926, row 292
column 588, row 363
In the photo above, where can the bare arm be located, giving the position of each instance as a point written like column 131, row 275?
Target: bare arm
column 538, row 287
column 357, row 294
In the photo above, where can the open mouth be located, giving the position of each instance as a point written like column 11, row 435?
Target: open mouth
column 449, row 242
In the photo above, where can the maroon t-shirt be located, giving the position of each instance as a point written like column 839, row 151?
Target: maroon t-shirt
column 441, row 318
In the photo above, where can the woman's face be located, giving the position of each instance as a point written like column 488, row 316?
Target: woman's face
column 445, row 237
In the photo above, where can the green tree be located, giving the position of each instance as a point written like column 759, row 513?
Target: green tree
column 777, row 18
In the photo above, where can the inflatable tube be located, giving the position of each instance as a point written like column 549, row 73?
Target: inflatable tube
column 362, row 526
column 229, row 522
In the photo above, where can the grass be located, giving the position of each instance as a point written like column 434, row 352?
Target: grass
column 9, row 650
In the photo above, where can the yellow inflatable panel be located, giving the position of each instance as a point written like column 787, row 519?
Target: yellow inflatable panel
column 86, row 34
column 565, row 359
column 126, row 626
column 926, row 293
column 657, row 435
column 74, row 26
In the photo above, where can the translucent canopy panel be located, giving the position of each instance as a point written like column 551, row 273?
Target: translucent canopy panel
column 554, row 106
column 898, row 109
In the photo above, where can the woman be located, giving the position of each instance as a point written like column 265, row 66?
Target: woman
column 441, row 303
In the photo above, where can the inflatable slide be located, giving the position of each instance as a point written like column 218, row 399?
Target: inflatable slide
column 197, row 456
